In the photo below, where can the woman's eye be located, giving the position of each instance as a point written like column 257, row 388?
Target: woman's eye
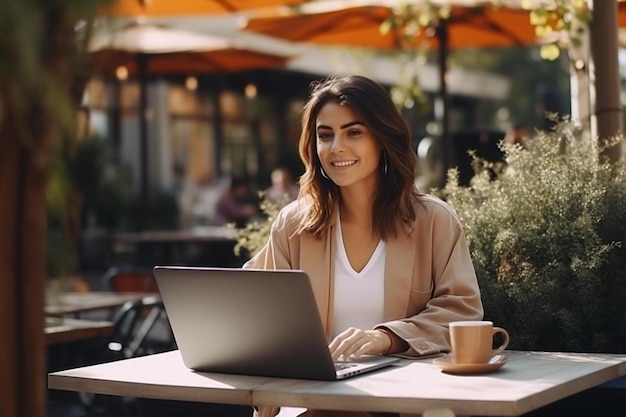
column 354, row 132
column 323, row 135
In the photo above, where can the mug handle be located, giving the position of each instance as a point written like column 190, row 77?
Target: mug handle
column 505, row 343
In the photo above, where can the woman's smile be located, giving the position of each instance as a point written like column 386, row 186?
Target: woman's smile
column 343, row 164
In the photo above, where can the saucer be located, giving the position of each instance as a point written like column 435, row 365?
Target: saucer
column 447, row 366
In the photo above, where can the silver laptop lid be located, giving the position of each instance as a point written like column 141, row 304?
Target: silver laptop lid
column 253, row 322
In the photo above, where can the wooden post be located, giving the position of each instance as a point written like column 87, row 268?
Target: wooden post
column 605, row 74
column 35, row 97
column 23, row 178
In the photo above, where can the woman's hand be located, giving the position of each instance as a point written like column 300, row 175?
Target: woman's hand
column 356, row 342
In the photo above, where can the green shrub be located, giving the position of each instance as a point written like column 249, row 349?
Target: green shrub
column 253, row 236
column 546, row 239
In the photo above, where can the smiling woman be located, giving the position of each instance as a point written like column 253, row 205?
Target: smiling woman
column 389, row 266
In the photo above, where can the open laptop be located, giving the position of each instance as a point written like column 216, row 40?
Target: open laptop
column 252, row 322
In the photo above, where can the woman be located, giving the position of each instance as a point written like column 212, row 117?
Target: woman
column 390, row 267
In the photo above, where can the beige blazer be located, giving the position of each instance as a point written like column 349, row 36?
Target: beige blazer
column 429, row 276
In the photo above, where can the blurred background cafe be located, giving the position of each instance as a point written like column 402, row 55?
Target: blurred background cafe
column 164, row 140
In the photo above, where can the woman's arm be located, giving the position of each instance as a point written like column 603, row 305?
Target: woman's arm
column 454, row 294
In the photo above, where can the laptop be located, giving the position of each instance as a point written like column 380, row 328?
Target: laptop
column 251, row 322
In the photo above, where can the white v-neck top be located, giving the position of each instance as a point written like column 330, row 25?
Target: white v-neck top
column 359, row 297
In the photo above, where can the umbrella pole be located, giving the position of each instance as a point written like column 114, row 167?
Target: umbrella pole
column 143, row 141
column 446, row 145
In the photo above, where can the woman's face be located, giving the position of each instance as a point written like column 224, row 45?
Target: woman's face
column 347, row 149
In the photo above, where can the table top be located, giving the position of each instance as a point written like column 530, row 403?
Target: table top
column 529, row 380
column 197, row 234
column 64, row 330
column 66, row 303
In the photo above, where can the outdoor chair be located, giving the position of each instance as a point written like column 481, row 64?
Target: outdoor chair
column 141, row 328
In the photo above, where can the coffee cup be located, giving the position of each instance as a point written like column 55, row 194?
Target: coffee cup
column 472, row 341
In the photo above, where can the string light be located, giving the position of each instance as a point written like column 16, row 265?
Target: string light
column 250, row 90
column 191, row 83
column 121, row 73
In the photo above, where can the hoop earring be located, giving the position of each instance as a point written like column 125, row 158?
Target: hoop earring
column 324, row 173
column 384, row 163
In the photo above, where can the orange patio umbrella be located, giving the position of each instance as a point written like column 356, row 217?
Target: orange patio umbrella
column 227, row 60
column 357, row 23
column 154, row 50
column 133, row 8
column 471, row 24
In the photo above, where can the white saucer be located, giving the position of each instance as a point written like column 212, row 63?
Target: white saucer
column 447, row 366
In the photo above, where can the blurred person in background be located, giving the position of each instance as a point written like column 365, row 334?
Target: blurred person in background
column 235, row 205
column 283, row 188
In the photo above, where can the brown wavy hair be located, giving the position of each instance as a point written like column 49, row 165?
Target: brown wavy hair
column 395, row 198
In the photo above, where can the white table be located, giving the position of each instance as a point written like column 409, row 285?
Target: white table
column 200, row 246
column 197, row 234
column 76, row 303
column 60, row 330
column 528, row 381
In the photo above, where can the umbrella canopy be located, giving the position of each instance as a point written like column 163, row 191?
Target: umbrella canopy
column 168, row 51
column 153, row 39
column 126, row 8
column 357, row 23
column 107, row 61
column 470, row 24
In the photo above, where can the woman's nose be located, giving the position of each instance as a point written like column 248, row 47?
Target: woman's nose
column 338, row 144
